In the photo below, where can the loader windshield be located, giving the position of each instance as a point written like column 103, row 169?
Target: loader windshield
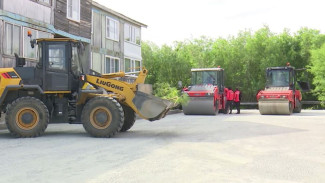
column 204, row 77
column 278, row 78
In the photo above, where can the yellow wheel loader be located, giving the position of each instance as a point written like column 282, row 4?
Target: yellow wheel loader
column 57, row 90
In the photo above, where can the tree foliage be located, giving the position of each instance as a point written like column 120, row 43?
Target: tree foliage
column 244, row 57
column 317, row 67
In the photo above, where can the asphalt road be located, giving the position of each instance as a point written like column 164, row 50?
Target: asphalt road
column 248, row 148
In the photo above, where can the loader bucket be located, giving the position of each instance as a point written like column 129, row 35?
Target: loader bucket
column 151, row 107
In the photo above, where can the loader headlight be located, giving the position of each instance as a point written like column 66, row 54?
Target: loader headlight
column 262, row 96
column 283, row 96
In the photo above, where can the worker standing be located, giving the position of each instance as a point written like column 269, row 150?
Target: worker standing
column 237, row 99
column 230, row 99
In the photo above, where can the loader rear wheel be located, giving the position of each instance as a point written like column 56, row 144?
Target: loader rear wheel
column 102, row 117
column 27, row 117
column 298, row 107
column 129, row 118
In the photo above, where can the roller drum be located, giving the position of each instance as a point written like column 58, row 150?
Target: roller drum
column 200, row 105
column 274, row 107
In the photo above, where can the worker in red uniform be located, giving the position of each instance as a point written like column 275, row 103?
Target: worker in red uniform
column 230, row 100
column 237, row 99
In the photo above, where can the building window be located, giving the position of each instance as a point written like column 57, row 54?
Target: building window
column 137, row 65
column 112, row 65
column 12, row 39
column 46, row 2
column 131, row 65
column 132, row 34
column 112, row 29
column 73, row 10
column 30, row 52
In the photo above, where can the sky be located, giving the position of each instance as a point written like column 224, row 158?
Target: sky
column 178, row 20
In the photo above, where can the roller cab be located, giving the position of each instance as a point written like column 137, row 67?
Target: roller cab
column 280, row 95
column 206, row 92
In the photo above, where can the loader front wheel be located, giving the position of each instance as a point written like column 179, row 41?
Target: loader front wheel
column 102, row 117
column 129, row 118
column 27, row 117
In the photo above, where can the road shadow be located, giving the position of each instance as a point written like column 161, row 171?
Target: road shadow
column 223, row 131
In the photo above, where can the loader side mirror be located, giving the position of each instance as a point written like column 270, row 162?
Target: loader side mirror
column 20, row 62
column 32, row 41
column 305, row 87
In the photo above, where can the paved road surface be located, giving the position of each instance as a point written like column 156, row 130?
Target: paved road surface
column 225, row 148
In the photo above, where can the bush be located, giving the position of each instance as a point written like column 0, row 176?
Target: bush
column 165, row 91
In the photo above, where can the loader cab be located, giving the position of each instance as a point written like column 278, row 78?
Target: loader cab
column 280, row 77
column 208, row 76
column 59, row 64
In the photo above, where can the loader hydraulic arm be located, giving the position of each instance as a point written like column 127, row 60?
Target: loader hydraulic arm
column 145, row 105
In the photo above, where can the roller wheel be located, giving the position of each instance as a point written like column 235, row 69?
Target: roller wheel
column 290, row 107
column 129, row 118
column 27, row 117
column 226, row 109
column 216, row 108
column 298, row 107
column 102, row 117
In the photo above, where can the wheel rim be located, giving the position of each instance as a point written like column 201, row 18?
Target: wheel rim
column 100, row 117
column 27, row 118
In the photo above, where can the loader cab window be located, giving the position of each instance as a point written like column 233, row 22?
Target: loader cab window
column 39, row 63
column 279, row 78
column 75, row 61
column 57, row 59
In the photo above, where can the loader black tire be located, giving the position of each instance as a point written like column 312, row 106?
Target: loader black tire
column 102, row 117
column 298, row 107
column 129, row 118
column 27, row 117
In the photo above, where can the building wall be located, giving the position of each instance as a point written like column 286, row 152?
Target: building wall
column 28, row 9
column 103, row 48
column 81, row 28
column 18, row 16
column 39, row 17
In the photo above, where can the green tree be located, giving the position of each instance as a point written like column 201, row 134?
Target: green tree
column 317, row 68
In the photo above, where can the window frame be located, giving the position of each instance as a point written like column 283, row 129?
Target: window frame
column 132, row 34
column 5, row 41
column 36, row 36
column 111, row 58
column 116, row 31
column 72, row 18
column 132, row 65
